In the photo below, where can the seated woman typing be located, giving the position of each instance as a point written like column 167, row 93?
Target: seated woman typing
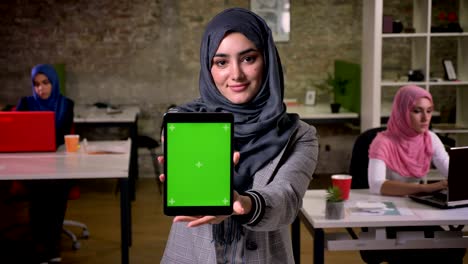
column 401, row 155
column 398, row 158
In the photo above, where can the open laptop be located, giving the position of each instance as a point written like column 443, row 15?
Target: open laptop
column 456, row 194
column 27, row 131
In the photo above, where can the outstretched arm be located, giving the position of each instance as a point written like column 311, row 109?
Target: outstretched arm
column 379, row 184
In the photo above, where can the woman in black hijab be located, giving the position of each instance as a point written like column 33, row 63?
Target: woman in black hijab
column 241, row 73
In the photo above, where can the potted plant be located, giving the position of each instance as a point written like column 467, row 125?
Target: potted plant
column 334, row 203
column 330, row 86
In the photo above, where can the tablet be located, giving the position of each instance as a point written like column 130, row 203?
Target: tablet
column 198, row 163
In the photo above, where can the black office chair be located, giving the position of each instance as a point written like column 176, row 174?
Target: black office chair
column 75, row 194
column 151, row 144
column 358, row 169
column 360, row 158
column 360, row 163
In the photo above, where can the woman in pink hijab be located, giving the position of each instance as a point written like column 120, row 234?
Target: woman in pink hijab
column 398, row 158
column 401, row 155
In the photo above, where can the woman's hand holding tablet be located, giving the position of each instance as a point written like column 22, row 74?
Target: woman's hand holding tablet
column 242, row 204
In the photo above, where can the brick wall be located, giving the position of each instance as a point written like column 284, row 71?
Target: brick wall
column 145, row 52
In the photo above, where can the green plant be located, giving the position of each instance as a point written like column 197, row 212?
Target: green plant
column 331, row 85
column 334, row 194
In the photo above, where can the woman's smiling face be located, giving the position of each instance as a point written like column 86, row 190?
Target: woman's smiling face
column 237, row 68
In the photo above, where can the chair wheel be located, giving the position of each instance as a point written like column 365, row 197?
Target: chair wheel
column 85, row 234
column 76, row 245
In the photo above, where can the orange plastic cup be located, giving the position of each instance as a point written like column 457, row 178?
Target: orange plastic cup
column 72, row 143
column 342, row 181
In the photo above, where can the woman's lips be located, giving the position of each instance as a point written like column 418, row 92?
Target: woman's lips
column 238, row 87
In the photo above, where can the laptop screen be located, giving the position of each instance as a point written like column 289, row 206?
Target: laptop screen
column 458, row 175
column 27, row 131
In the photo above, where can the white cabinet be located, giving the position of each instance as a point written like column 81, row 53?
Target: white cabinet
column 423, row 54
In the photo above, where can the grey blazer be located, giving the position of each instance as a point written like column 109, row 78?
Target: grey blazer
column 282, row 183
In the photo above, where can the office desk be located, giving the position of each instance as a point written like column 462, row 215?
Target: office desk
column 312, row 215
column 61, row 165
column 127, row 117
column 321, row 114
column 92, row 114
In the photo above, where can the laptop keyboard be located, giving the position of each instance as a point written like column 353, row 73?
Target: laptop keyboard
column 440, row 196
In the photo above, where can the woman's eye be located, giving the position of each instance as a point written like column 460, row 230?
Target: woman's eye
column 220, row 63
column 249, row 59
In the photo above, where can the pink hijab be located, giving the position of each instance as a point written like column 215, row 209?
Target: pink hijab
column 404, row 150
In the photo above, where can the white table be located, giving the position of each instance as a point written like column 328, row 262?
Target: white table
column 92, row 114
column 321, row 113
column 123, row 117
column 411, row 214
column 80, row 165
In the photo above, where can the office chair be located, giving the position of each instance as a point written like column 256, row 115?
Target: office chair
column 76, row 244
column 75, row 194
column 360, row 158
column 359, row 164
column 358, row 169
column 151, row 144
column 18, row 192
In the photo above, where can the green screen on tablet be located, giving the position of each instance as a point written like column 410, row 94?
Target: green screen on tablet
column 198, row 156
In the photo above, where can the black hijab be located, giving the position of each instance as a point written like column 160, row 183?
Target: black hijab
column 261, row 126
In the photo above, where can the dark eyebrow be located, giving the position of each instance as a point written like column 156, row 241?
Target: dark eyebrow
column 240, row 53
column 421, row 108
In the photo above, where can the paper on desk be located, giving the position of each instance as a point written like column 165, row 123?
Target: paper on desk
column 91, row 148
column 372, row 208
column 370, row 205
column 113, row 110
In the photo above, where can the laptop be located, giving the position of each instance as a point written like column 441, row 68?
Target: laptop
column 456, row 195
column 27, row 131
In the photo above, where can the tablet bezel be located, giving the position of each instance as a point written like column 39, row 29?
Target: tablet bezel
column 182, row 117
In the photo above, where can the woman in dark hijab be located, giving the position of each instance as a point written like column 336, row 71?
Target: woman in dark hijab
column 48, row 198
column 47, row 97
column 241, row 73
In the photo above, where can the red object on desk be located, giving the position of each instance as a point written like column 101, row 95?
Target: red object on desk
column 343, row 182
column 27, row 131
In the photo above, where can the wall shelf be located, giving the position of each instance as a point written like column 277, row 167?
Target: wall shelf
column 418, row 50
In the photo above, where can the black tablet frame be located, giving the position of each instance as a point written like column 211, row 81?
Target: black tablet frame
column 183, row 117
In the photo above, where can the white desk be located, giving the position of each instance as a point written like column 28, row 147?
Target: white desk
column 61, row 165
column 127, row 117
column 449, row 129
column 321, row 113
column 92, row 114
column 411, row 214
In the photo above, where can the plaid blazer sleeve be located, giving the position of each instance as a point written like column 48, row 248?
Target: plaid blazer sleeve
column 284, row 181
